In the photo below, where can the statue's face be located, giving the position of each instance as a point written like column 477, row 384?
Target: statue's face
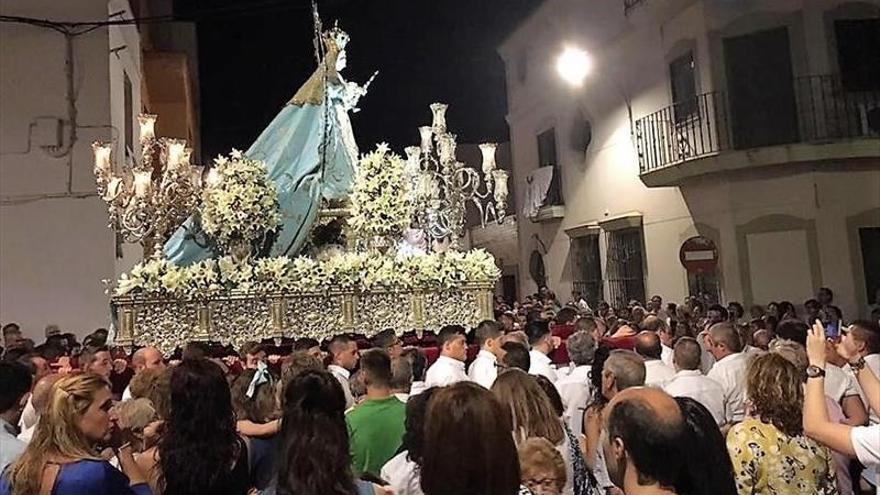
column 341, row 61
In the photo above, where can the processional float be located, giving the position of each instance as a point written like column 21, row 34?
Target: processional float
column 299, row 236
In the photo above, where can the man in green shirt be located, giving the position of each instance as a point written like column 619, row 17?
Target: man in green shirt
column 375, row 426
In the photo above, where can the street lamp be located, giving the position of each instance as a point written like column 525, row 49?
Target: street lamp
column 573, row 65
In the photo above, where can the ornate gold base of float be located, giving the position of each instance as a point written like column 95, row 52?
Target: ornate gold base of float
column 235, row 318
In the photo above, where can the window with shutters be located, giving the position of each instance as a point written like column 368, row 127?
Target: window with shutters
column 547, row 158
column 684, row 86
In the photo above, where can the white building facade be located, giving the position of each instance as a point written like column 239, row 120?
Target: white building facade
column 58, row 94
column 753, row 127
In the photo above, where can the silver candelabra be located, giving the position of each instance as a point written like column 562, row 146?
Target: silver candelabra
column 154, row 196
column 441, row 187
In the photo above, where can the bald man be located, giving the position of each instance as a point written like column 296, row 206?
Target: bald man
column 40, row 398
column 622, row 370
column 689, row 381
column 145, row 358
column 730, row 367
column 656, row 372
column 646, row 436
column 658, row 325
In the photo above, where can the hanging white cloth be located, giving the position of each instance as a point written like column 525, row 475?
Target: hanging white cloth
column 537, row 185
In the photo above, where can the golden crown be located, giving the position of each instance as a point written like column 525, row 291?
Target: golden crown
column 337, row 36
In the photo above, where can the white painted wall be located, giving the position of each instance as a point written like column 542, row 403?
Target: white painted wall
column 630, row 62
column 54, row 253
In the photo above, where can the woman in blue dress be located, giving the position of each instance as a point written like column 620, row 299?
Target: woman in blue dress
column 309, row 151
column 62, row 457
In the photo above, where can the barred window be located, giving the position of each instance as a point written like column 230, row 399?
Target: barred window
column 626, row 275
column 587, row 268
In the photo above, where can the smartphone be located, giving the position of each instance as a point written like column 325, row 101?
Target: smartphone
column 832, row 329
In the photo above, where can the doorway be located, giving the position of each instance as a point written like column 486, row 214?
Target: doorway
column 869, row 241
column 760, row 88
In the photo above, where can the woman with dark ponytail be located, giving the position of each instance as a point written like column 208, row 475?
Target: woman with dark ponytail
column 199, row 451
column 314, row 454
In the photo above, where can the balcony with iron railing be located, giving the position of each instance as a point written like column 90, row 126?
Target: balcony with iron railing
column 706, row 134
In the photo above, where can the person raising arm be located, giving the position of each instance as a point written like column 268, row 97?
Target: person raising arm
column 859, row 441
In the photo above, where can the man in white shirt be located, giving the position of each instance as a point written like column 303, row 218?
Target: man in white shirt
column 542, row 343
column 729, row 370
column 647, row 345
column 578, row 301
column 655, row 308
column 145, row 358
column 622, row 370
column 343, row 358
column 574, row 388
column 689, row 381
column 449, row 367
column 15, row 383
column 484, row 368
column 862, row 339
column 656, row 324
column 40, row 397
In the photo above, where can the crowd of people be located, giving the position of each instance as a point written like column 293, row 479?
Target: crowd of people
column 545, row 399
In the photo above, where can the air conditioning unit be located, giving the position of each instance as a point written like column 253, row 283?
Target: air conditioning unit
column 869, row 118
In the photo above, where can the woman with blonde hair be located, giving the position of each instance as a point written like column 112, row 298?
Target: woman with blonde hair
column 769, row 450
column 541, row 467
column 62, row 458
column 533, row 415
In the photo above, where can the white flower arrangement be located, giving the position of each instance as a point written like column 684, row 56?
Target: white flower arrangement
column 357, row 272
column 380, row 205
column 242, row 205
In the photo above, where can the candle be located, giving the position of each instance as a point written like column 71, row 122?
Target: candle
column 148, row 126
column 213, row 178
column 439, row 111
column 428, row 187
column 114, row 188
column 142, row 183
column 500, row 178
column 447, row 149
column 174, row 149
column 413, row 155
column 488, row 151
column 196, row 176
column 426, row 134
column 186, row 156
column 102, row 158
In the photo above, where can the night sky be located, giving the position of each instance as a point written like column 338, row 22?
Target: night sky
column 255, row 54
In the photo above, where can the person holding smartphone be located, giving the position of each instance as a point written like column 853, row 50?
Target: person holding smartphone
column 860, row 441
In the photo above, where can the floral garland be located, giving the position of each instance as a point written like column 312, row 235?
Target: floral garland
column 347, row 271
column 242, row 206
column 379, row 202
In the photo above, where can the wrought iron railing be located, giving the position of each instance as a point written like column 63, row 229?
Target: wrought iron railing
column 703, row 125
column 683, row 131
column 827, row 110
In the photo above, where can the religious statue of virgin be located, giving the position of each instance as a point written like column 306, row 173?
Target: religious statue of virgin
column 309, row 151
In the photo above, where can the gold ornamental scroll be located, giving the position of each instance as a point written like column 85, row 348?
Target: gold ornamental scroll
column 238, row 317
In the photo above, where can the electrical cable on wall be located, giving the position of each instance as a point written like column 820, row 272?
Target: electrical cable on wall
column 72, row 30
column 77, row 28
